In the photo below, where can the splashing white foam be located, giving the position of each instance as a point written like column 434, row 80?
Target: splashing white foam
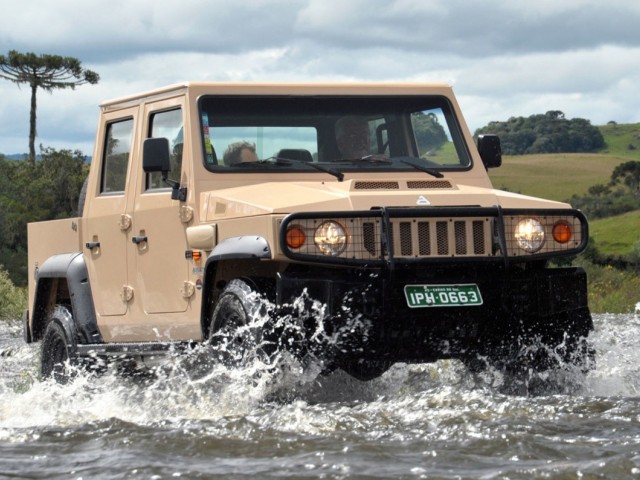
column 186, row 388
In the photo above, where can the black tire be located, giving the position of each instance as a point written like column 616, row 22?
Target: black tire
column 541, row 365
column 56, row 359
column 238, row 323
column 366, row 370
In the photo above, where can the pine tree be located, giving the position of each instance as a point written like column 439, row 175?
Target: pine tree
column 48, row 72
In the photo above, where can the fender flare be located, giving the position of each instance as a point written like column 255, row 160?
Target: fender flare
column 247, row 247
column 72, row 268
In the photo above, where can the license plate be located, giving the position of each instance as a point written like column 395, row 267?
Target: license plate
column 421, row 296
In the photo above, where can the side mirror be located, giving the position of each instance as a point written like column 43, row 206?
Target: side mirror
column 155, row 156
column 490, row 150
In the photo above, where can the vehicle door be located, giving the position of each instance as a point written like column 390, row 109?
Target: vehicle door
column 106, row 228
column 159, row 222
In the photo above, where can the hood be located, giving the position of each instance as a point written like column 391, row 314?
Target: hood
column 289, row 197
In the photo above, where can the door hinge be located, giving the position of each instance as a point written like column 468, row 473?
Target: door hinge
column 186, row 214
column 126, row 294
column 188, row 289
column 125, row 222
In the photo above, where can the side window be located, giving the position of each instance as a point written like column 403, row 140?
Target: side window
column 117, row 146
column 167, row 124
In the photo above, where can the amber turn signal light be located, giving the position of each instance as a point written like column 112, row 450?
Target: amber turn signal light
column 295, row 237
column 562, row 232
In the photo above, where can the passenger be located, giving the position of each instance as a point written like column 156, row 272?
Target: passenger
column 240, row 152
column 353, row 137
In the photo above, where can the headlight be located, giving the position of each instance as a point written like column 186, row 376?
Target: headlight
column 529, row 235
column 331, row 238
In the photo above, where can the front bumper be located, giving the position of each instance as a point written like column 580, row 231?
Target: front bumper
column 366, row 314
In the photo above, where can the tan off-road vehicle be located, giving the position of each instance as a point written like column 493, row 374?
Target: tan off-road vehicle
column 356, row 220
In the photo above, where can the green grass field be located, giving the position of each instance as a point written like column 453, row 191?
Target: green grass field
column 616, row 235
column 559, row 176
column 622, row 140
column 554, row 176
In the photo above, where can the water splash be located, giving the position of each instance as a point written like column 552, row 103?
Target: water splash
column 175, row 392
column 617, row 341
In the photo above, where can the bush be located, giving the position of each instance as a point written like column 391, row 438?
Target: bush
column 13, row 300
column 612, row 290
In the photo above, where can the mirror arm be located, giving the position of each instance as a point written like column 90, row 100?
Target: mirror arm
column 177, row 192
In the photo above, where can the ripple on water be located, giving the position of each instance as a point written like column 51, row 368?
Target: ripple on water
column 419, row 420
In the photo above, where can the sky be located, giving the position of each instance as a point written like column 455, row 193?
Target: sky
column 504, row 58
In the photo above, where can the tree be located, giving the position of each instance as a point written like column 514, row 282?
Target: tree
column 428, row 132
column 551, row 132
column 31, row 192
column 629, row 173
column 48, row 72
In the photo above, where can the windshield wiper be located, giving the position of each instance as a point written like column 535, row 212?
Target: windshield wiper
column 289, row 161
column 376, row 158
column 430, row 171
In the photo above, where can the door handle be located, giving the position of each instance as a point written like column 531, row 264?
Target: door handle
column 139, row 239
column 92, row 245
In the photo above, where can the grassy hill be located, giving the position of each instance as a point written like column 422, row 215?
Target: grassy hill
column 616, row 235
column 559, row 176
column 622, row 140
column 554, row 176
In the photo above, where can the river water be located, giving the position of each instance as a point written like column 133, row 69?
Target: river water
column 419, row 421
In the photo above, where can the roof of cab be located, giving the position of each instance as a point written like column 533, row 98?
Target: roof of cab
column 249, row 88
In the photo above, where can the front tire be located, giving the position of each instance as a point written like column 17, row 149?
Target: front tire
column 56, row 360
column 237, row 325
column 551, row 357
column 366, row 370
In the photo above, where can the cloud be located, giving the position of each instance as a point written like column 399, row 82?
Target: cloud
column 472, row 30
column 503, row 58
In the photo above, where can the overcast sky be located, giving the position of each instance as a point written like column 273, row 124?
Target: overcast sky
column 503, row 57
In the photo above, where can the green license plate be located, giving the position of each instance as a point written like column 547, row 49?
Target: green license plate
column 420, row 296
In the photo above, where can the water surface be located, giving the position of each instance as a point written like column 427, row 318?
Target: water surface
column 418, row 421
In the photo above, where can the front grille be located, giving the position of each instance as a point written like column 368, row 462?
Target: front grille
column 410, row 237
column 409, row 234
column 438, row 237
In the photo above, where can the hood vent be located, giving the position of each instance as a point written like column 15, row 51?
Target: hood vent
column 377, row 186
column 422, row 184
column 412, row 184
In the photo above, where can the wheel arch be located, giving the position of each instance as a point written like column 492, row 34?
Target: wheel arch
column 63, row 280
column 244, row 253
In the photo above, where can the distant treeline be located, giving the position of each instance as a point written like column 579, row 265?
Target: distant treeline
column 25, row 156
column 29, row 192
column 545, row 133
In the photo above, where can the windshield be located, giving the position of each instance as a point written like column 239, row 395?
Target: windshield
column 331, row 134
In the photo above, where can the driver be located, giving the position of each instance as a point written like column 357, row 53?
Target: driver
column 353, row 137
column 240, row 152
